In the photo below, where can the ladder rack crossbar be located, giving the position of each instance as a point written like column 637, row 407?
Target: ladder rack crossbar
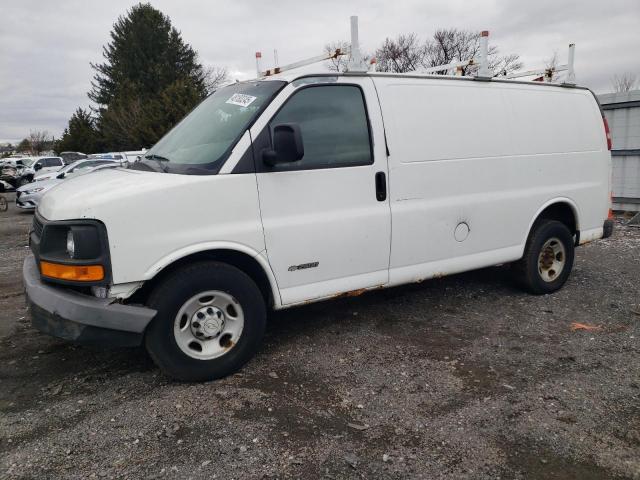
column 309, row 61
column 448, row 66
column 541, row 71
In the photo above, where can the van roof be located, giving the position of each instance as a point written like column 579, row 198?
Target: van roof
column 290, row 76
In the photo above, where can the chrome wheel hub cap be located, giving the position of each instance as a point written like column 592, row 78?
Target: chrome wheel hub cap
column 551, row 260
column 207, row 322
column 208, row 325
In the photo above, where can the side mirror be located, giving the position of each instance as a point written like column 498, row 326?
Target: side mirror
column 287, row 145
column 37, row 166
column 60, row 175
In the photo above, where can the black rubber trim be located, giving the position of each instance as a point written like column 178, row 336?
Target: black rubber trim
column 607, row 228
column 246, row 163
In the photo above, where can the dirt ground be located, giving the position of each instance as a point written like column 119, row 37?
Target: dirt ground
column 456, row 378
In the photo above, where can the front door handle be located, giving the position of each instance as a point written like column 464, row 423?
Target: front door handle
column 381, row 186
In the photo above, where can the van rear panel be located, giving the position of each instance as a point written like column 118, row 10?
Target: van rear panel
column 490, row 155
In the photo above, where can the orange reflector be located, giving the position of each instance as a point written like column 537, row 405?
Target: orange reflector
column 78, row 273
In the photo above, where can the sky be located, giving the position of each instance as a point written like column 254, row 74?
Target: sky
column 46, row 47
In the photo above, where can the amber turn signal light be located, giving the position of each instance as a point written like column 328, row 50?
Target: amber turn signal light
column 76, row 273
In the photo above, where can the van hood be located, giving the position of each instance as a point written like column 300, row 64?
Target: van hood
column 105, row 192
column 153, row 218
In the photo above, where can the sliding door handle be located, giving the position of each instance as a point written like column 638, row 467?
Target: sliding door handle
column 381, row 186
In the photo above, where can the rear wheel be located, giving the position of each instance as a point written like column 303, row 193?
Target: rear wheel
column 548, row 258
column 211, row 319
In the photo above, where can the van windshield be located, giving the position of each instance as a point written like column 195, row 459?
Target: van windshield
column 203, row 140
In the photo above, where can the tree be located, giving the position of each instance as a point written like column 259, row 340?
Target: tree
column 407, row 53
column 80, row 135
column 625, row 82
column 38, row 141
column 337, row 64
column 404, row 54
column 24, row 146
column 215, row 77
column 150, row 79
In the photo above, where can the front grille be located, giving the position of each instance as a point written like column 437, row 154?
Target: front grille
column 37, row 227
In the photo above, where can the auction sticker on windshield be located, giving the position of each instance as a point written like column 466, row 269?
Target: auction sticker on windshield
column 241, row 99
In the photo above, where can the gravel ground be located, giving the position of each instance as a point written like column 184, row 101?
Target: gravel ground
column 456, row 378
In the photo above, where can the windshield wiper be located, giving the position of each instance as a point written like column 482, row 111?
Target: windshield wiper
column 160, row 160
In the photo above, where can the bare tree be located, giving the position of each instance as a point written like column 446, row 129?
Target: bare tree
column 337, row 64
column 405, row 53
column 215, row 77
column 38, row 140
column 504, row 65
column 625, row 82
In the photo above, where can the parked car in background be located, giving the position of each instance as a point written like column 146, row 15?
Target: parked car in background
column 77, row 167
column 12, row 162
column 110, row 155
column 11, row 169
column 5, row 186
column 70, row 157
column 120, row 156
column 28, row 196
column 135, row 155
column 35, row 166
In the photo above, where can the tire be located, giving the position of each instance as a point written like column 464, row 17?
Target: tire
column 548, row 258
column 182, row 300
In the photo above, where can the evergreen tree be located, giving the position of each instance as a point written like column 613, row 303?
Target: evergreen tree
column 80, row 135
column 150, row 79
column 24, row 146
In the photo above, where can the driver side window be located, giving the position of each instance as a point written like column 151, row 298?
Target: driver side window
column 334, row 126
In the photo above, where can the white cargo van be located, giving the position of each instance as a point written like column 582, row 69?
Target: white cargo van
column 293, row 189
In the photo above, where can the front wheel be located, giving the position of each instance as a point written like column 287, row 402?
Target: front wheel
column 211, row 319
column 548, row 258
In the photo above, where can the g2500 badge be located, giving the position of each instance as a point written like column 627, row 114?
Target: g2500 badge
column 303, row 266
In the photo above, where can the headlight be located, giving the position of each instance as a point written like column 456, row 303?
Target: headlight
column 75, row 251
column 70, row 244
column 33, row 190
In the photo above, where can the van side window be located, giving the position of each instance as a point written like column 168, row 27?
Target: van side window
column 334, row 126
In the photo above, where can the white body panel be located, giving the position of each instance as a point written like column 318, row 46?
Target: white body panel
column 329, row 216
column 470, row 167
column 490, row 155
column 155, row 219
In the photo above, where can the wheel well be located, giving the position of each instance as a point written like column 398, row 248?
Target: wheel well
column 242, row 261
column 562, row 212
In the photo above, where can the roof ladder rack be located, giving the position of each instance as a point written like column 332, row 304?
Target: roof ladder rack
column 356, row 60
column 358, row 64
column 546, row 74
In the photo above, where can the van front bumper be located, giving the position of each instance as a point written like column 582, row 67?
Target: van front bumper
column 70, row 315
